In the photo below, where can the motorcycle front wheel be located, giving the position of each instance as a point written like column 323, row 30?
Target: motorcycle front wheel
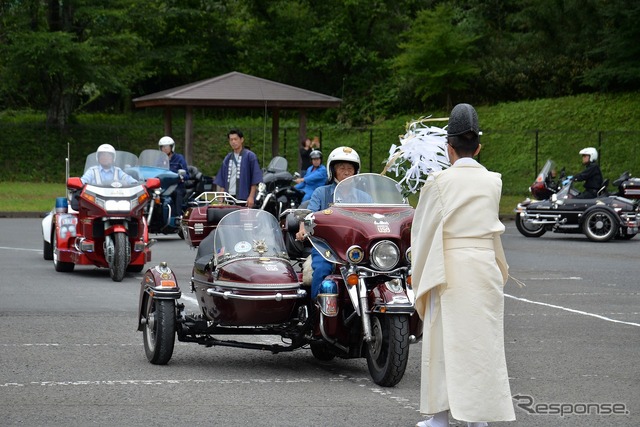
column 118, row 267
column 388, row 352
column 159, row 330
column 529, row 230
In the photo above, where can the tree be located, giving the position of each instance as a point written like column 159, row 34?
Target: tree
column 619, row 50
column 71, row 50
column 437, row 56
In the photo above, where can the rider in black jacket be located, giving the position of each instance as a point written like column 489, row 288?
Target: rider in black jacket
column 591, row 175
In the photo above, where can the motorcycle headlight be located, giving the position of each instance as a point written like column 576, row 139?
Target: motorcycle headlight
column 385, row 255
column 407, row 255
column 117, row 205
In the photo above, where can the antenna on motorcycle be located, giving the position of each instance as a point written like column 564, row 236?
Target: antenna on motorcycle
column 66, row 168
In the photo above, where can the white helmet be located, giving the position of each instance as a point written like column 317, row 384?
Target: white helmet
column 105, row 148
column 166, row 140
column 591, row 152
column 342, row 154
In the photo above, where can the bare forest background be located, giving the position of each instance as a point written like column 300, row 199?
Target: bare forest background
column 548, row 76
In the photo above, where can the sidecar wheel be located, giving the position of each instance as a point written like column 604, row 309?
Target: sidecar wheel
column 600, row 225
column 159, row 330
column 64, row 267
column 118, row 267
column 529, row 230
column 321, row 352
column 387, row 354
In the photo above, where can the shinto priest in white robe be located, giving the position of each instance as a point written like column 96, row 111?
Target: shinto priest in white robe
column 459, row 270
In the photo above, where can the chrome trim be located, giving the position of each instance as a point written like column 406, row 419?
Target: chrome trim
column 250, row 286
column 275, row 297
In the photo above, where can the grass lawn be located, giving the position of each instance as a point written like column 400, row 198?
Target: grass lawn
column 29, row 197
column 39, row 197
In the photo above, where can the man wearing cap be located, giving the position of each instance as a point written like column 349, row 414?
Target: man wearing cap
column 459, row 270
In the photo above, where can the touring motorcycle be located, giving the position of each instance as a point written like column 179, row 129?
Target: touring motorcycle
column 101, row 224
column 162, row 216
column 601, row 219
column 245, row 284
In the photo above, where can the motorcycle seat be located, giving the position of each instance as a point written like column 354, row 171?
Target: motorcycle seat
column 215, row 214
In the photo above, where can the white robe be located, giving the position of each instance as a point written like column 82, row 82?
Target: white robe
column 459, row 269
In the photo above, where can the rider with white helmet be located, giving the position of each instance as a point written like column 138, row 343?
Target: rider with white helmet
column 176, row 163
column 342, row 163
column 591, row 175
column 105, row 171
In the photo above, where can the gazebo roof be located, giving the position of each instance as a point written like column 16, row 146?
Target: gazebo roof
column 238, row 90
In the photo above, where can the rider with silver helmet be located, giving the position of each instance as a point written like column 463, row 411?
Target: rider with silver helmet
column 315, row 176
column 176, row 163
column 591, row 175
column 342, row 163
column 105, row 171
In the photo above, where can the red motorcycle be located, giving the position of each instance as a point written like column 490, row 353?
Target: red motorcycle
column 100, row 224
column 245, row 284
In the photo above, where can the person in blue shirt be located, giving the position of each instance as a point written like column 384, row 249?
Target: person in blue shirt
column 342, row 163
column 240, row 172
column 105, row 171
column 176, row 163
column 315, row 176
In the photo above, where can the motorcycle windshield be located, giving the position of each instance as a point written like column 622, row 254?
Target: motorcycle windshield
column 277, row 164
column 123, row 160
column 154, row 159
column 368, row 189
column 248, row 233
column 548, row 170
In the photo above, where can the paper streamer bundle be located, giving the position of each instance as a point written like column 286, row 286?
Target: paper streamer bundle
column 422, row 150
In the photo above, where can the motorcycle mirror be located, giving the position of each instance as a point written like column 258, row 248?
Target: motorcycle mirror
column 153, row 183
column 300, row 214
column 74, row 183
column 182, row 172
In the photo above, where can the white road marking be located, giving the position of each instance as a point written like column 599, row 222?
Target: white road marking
column 571, row 310
column 20, row 249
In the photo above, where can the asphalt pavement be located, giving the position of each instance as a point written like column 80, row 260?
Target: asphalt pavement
column 71, row 356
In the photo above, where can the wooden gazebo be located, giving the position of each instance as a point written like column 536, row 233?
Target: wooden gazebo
column 236, row 90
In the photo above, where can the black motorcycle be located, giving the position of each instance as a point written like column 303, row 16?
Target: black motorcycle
column 601, row 219
column 276, row 192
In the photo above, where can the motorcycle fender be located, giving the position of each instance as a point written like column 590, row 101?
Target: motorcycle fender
column 601, row 207
column 382, row 300
column 116, row 228
column 159, row 282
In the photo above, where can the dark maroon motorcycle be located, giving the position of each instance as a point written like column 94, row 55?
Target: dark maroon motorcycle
column 246, row 285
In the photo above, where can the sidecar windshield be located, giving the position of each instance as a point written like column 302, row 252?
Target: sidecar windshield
column 115, row 168
column 248, row 233
column 368, row 189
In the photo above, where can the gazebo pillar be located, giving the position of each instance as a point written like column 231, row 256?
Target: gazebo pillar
column 275, row 133
column 188, row 135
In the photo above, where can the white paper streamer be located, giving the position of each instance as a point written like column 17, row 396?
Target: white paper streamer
column 422, row 150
